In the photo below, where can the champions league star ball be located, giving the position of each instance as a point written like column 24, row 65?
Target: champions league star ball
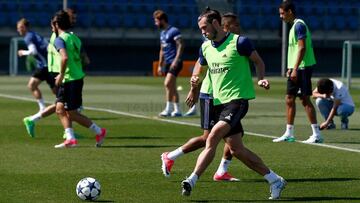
column 88, row 189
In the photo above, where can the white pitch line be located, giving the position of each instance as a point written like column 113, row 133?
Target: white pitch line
column 178, row 122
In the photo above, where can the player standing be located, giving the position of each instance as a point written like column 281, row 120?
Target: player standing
column 227, row 56
column 171, row 50
column 301, row 62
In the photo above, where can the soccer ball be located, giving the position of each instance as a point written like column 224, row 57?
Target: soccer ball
column 88, row 189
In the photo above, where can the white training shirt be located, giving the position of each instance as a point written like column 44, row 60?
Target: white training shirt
column 341, row 93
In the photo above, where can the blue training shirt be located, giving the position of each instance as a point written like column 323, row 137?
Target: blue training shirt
column 41, row 48
column 168, row 43
column 59, row 43
column 300, row 31
column 244, row 47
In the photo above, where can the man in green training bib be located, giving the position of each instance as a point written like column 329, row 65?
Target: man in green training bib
column 227, row 57
column 70, row 82
column 301, row 61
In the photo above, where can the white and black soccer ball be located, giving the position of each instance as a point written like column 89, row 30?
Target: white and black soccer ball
column 88, row 189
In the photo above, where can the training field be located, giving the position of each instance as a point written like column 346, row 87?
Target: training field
column 128, row 164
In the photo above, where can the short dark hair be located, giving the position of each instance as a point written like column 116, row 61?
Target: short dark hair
column 325, row 86
column 226, row 17
column 210, row 15
column 160, row 15
column 62, row 18
column 288, row 5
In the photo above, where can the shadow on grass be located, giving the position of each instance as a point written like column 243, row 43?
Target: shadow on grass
column 294, row 180
column 288, row 199
column 139, row 146
column 104, row 118
column 354, row 129
column 335, row 142
column 135, row 138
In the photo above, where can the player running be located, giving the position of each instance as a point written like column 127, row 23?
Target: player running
column 70, row 82
column 37, row 46
column 227, row 56
column 231, row 24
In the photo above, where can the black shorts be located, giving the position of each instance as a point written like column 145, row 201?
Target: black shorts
column 302, row 87
column 175, row 71
column 232, row 113
column 70, row 94
column 207, row 113
column 43, row 75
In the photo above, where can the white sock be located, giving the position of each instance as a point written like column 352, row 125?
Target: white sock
column 95, row 128
column 193, row 177
column 223, row 167
column 41, row 104
column 69, row 132
column 175, row 154
column 168, row 106
column 315, row 129
column 176, row 107
column 271, row 177
column 289, row 130
column 36, row 117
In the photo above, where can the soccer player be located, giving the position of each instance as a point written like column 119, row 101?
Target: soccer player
column 171, row 50
column 70, row 82
column 333, row 99
column 37, row 46
column 301, row 62
column 230, row 23
column 227, row 56
column 53, row 59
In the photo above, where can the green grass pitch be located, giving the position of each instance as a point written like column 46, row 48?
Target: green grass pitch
column 128, row 164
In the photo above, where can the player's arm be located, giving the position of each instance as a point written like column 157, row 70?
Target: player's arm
column 300, row 30
column 179, row 51
column 332, row 114
column 245, row 48
column 161, row 60
column 195, row 83
column 316, row 94
column 31, row 50
column 60, row 46
column 260, row 69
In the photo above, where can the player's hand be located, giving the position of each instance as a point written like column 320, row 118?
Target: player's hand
column 192, row 97
column 58, row 79
column 20, row 52
column 194, row 81
column 264, row 83
column 159, row 72
column 323, row 125
column 293, row 75
column 288, row 73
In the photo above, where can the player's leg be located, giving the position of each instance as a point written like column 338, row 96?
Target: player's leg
column 288, row 135
column 344, row 111
column 66, row 123
column 222, row 173
column 254, row 162
column 206, row 156
column 30, row 121
column 207, row 121
column 75, row 93
column 172, row 94
column 168, row 158
column 33, row 86
column 304, row 78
